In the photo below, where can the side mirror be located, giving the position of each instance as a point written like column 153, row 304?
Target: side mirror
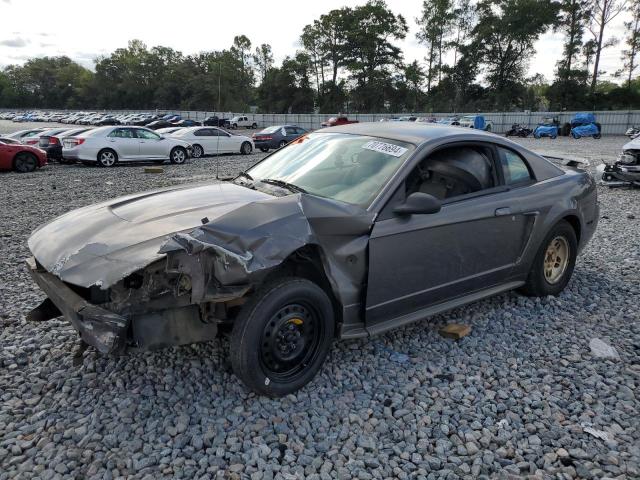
column 418, row 202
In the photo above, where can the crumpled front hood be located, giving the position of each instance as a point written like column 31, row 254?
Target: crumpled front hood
column 100, row 244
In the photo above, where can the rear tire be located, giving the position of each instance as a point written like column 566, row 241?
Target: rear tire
column 597, row 135
column 197, row 151
column 107, row 158
column 282, row 336
column 552, row 267
column 264, row 149
column 254, row 126
column 25, row 162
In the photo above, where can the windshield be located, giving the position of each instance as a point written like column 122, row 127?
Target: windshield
column 349, row 168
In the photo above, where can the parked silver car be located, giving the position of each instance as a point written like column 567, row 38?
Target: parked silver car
column 109, row 145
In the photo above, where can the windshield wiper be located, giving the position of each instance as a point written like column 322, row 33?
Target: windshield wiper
column 281, row 183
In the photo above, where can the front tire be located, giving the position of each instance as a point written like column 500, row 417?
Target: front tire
column 282, row 144
column 554, row 262
column 263, row 149
column 107, row 158
column 25, row 162
column 282, row 336
column 246, row 148
column 178, row 156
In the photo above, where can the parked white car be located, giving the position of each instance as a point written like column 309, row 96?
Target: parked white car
column 107, row 146
column 469, row 121
column 213, row 141
column 242, row 121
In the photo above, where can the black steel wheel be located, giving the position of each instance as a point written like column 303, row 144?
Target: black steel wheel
column 25, row 162
column 282, row 336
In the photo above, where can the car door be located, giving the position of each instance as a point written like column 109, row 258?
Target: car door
column 206, row 139
column 152, row 145
column 420, row 260
column 228, row 143
column 125, row 142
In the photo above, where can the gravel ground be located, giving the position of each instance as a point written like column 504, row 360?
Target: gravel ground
column 514, row 398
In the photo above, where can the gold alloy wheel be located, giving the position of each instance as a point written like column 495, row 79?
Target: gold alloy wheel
column 556, row 259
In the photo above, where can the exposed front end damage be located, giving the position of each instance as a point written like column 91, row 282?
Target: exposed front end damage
column 228, row 258
column 195, row 280
column 625, row 171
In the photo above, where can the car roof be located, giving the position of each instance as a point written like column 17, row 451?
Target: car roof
column 409, row 132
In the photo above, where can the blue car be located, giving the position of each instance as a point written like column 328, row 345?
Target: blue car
column 585, row 125
column 550, row 131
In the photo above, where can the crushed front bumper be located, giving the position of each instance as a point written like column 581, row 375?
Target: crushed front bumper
column 100, row 328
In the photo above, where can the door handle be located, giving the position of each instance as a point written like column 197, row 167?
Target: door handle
column 501, row 212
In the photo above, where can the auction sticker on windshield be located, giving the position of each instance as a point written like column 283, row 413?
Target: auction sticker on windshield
column 383, row 147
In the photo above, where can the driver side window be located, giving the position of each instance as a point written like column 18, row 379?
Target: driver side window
column 452, row 172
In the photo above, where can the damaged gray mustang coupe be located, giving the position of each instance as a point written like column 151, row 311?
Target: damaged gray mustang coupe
column 345, row 233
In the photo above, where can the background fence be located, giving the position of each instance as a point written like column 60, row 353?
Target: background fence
column 613, row 122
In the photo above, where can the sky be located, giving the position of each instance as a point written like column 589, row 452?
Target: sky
column 87, row 29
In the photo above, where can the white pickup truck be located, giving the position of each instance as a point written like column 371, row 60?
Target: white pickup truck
column 241, row 121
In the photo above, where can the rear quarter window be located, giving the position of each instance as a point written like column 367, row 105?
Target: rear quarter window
column 514, row 168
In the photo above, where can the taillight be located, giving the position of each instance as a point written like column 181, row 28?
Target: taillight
column 54, row 141
column 73, row 142
column 32, row 141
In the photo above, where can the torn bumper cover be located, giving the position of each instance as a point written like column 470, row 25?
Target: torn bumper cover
column 104, row 330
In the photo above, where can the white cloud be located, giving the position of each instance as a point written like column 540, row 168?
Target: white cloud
column 16, row 42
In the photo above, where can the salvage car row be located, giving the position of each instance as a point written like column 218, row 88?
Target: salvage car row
column 107, row 146
column 149, row 120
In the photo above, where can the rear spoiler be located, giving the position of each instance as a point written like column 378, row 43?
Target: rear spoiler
column 568, row 161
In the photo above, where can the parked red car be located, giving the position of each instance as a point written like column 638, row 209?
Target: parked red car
column 335, row 121
column 21, row 158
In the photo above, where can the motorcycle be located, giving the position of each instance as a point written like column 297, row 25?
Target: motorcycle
column 518, row 130
column 625, row 171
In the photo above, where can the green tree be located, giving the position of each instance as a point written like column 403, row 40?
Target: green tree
column 371, row 55
column 435, row 25
column 630, row 64
column 414, row 77
column 603, row 12
column 325, row 41
column 263, row 59
column 504, row 37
